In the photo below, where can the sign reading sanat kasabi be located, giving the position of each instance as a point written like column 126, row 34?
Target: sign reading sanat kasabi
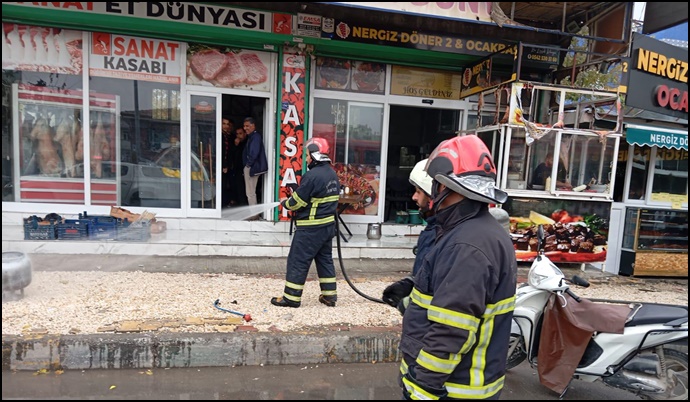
column 132, row 58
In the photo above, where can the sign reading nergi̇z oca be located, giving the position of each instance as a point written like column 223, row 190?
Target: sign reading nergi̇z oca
column 132, row 58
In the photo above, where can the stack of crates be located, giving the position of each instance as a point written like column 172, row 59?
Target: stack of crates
column 36, row 228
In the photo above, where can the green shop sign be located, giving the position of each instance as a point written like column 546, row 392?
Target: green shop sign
column 662, row 138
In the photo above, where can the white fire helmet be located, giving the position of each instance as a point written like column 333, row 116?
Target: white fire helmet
column 419, row 178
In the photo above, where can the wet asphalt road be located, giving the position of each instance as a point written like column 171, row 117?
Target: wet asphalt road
column 360, row 381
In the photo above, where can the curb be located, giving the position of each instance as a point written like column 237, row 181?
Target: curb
column 143, row 351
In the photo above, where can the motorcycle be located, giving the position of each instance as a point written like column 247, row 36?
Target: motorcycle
column 637, row 357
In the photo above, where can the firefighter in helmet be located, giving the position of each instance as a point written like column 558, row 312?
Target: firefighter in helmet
column 456, row 328
column 314, row 204
column 397, row 293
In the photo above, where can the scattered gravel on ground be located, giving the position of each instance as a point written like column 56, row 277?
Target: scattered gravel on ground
column 82, row 302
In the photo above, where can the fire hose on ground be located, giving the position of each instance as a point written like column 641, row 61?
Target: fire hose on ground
column 342, row 265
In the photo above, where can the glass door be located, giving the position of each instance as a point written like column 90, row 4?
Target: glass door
column 355, row 131
column 204, row 156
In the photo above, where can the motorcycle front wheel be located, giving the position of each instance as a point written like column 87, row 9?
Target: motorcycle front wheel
column 516, row 351
column 676, row 377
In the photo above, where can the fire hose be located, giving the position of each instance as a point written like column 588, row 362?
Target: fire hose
column 342, row 265
column 248, row 317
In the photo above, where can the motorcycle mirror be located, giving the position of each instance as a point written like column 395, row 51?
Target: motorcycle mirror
column 580, row 281
column 540, row 237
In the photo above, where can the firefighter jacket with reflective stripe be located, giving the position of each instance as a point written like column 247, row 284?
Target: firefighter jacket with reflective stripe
column 315, row 201
column 457, row 326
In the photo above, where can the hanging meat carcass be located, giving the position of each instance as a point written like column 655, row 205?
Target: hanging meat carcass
column 64, row 135
column 100, row 148
column 48, row 159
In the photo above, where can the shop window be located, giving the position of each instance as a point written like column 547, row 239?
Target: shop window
column 540, row 160
column 588, row 163
column 638, row 175
column 517, row 160
column 48, row 136
column 136, row 124
column 354, row 132
column 670, row 175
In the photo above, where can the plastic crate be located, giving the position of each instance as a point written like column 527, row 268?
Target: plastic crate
column 73, row 229
column 36, row 229
column 137, row 231
column 103, row 230
column 101, row 227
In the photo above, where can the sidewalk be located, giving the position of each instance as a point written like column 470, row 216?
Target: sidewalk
column 140, row 338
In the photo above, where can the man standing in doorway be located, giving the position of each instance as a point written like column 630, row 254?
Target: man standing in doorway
column 238, row 194
column 254, row 158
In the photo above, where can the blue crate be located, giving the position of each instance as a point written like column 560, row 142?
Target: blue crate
column 103, row 230
column 73, row 229
column 35, row 231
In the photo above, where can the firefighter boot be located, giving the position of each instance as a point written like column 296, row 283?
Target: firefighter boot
column 328, row 300
column 283, row 302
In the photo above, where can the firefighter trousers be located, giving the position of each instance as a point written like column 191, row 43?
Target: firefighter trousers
column 311, row 244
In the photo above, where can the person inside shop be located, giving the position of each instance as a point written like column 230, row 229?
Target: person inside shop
column 238, row 194
column 543, row 172
column 255, row 162
column 313, row 203
column 228, row 131
column 463, row 299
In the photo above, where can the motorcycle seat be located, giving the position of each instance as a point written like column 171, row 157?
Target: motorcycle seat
column 656, row 313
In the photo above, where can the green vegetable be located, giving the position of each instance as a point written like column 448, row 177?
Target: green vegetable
column 595, row 223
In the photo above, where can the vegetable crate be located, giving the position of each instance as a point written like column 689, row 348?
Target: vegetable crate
column 36, row 228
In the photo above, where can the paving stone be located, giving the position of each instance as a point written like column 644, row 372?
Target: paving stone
column 151, row 326
column 129, row 326
column 193, row 321
column 107, row 328
column 246, row 328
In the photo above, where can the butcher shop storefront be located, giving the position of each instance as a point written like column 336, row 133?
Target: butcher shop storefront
column 127, row 112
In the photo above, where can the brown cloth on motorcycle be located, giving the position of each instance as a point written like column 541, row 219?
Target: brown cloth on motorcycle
column 568, row 328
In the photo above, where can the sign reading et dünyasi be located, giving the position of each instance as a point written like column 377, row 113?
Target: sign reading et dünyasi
column 192, row 13
column 652, row 136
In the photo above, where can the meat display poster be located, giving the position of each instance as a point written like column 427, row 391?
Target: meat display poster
column 132, row 58
column 47, row 50
column 575, row 231
column 228, row 68
column 350, row 75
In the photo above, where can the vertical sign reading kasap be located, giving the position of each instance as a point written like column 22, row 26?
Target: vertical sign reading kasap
column 291, row 123
column 132, row 58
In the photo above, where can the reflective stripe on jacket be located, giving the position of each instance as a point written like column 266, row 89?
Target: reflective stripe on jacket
column 457, row 326
column 315, row 201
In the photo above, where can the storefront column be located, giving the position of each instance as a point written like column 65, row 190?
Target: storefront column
column 292, row 121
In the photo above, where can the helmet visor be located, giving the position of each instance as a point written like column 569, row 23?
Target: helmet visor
column 479, row 188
